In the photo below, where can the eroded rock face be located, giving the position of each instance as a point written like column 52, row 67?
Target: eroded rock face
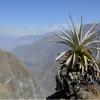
column 16, row 81
column 90, row 92
column 74, row 83
column 76, row 86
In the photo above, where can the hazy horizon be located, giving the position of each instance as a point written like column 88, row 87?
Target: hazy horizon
column 27, row 17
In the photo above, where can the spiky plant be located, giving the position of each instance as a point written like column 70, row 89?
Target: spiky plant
column 80, row 46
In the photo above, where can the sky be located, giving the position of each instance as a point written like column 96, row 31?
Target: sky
column 24, row 17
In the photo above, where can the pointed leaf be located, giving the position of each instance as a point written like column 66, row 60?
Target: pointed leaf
column 98, row 52
column 68, row 36
column 61, row 55
column 74, row 58
column 96, row 41
column 63, row 42
column 82, row 68
column 69, row 60
column 85, row 62
column 89, row 31
column 66, row 39
column 96, row 48
column 88, row 38
column 80, row 30
column 94, row 61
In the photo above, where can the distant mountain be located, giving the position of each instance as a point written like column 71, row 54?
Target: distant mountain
column 16, row 81
column 11, row 42
column 40, row 57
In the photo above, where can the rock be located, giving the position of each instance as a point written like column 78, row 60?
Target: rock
column 15, row 79
column 89, row 92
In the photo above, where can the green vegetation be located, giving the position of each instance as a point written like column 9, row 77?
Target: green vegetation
column 79, row 69
column 80, row 46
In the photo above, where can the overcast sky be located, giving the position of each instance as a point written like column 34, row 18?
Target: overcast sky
column 23, row 17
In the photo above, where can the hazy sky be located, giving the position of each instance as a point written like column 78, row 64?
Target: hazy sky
column 34, row 16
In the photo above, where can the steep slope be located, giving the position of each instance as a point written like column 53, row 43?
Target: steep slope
column 40, row 56
column 16, row 81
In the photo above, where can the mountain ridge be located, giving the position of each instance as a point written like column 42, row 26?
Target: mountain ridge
column 16, row 81
column 40, row 57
